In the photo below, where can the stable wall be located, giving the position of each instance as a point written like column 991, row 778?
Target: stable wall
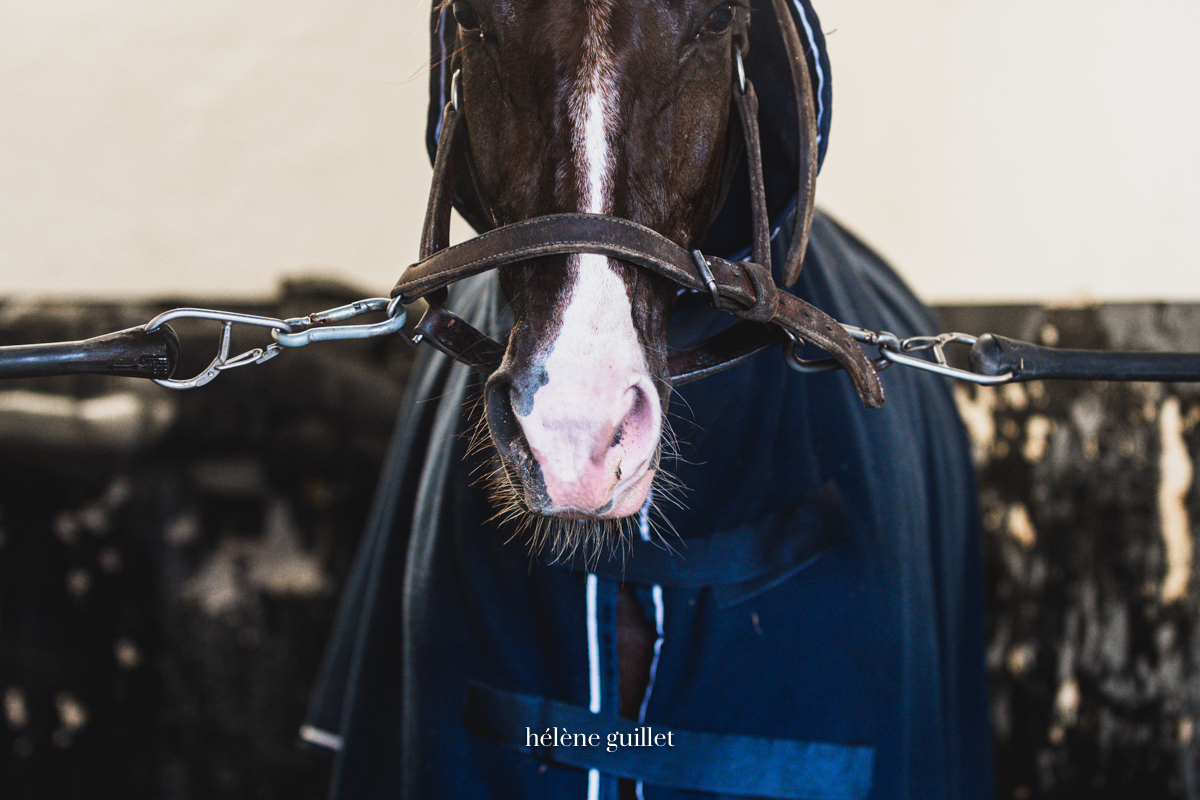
column 1017, row 151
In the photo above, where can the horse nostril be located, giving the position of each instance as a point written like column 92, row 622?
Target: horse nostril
column 501, row 417
column 632, row 416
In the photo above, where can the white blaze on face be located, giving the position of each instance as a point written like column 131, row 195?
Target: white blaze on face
column 598, row 380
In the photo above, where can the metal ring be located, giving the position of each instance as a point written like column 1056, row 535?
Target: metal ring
column 397, row 307
column 741, row 70
column 394, row 306
column 454, row 81
column 808, row 367
column 812, row 366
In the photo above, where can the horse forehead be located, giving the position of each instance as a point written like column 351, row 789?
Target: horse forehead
column 557, row 28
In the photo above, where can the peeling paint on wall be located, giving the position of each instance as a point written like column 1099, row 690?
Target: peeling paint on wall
column 978, row 415
column 277, row 564
column 1015, row 396
column 1020, row 526
column 1175, row 479
column 1087, row 418
column 1037, row 432
column 1066, row 701
column 1021, row 658
column 215, row 586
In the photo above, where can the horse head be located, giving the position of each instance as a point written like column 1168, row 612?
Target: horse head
column 615, row 107
column 591, row 138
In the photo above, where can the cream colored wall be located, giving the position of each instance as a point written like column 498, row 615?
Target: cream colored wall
column 1030, row 149
column 1042, row 151
column 153, row 146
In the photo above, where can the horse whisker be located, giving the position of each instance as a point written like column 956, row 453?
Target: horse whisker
column 567, row 539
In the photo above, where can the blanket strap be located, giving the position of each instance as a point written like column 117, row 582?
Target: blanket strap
column 725, row 764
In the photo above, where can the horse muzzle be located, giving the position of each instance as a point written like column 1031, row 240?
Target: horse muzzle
column 582, row 449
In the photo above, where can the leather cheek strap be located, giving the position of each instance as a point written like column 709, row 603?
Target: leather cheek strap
column 806, row 185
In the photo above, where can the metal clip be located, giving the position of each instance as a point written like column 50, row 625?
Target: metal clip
column 894, row 350
column 223, row 361
column 939, row 365
column 295, row 332
column 306, row 330
column 815, row 365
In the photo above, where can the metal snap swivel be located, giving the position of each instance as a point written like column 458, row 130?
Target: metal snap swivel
column 306, row 330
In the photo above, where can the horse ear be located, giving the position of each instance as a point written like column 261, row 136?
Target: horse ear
column 807, row 160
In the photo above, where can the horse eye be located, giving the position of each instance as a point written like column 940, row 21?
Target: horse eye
column 720, row 20
column 464, row 16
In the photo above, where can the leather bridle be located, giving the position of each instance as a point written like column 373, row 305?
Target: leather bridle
column 770, row 314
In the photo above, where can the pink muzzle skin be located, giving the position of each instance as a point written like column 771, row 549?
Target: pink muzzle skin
column 595, row 443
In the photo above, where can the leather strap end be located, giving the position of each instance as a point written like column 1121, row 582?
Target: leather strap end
column 401, row 285
column 866, row 383
column 813, row 325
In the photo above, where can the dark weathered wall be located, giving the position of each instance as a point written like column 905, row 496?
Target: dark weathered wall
column 1088, row 510
column 170, row 562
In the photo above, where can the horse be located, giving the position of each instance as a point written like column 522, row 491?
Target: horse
column 539, row 609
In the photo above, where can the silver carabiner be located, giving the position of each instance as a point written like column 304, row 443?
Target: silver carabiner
column 219, row 316
column 939, row 365
column 897, row 357
column 306, row 330
column 295, row 332
column 893, row 350
column 222, row 362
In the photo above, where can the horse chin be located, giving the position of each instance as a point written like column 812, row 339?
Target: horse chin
column 522, row 511
column 558, row 535
column 628, row 501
